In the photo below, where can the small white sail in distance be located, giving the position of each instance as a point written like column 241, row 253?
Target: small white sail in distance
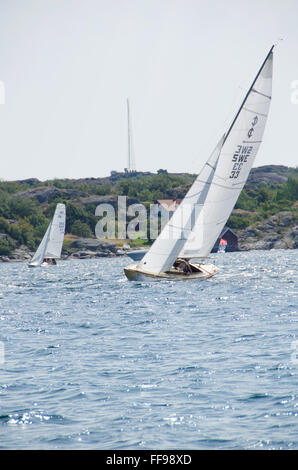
column 237, row 155
column 175, row 233
column 51, row 244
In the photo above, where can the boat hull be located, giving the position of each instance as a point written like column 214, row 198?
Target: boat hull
column 43, row 264
column 205, row 271
column 38, row 265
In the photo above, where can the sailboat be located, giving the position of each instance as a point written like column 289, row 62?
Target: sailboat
column 51, row 245
column 180, row 251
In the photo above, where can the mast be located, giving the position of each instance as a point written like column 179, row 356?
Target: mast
column 130, row 154
column 128, row 135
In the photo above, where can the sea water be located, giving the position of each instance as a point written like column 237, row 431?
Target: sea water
column 90, row 360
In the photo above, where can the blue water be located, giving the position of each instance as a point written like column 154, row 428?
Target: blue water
column 93, row 361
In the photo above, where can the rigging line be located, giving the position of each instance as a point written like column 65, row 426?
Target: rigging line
column 217, row 222
column 213, row 167
column 212, row 222
column 201, row 181
column 228, row 187
column 195, row 194
column 184, row 229
column 228, row 179
column 240, row 183
column 255, row 112
column 221, row 185
column 259, row 93
column 221, row 200
column 204, row 223
column 221, row 221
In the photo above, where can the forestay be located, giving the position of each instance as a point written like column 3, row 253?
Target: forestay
column 236, row 159
column 171, row 240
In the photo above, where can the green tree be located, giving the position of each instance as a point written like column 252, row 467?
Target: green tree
column 22, row 207
column 6, row 246
column 81, row 229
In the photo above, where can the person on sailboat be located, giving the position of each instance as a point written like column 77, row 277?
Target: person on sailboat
column 183, row 265
column 187, row 268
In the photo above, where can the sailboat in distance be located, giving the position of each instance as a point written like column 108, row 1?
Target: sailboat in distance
column 187, row 239
column 51, row 245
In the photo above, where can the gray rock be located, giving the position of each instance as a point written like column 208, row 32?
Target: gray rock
column 4, row 259
column 22, row 253
column 93, row 244
column 89, row 254
column 266, row 244
column 281, row 245
column 286, row 218
column 278, row 232
column 268, row 174
column 46, row 193
column 291, row 237
column 109, row 199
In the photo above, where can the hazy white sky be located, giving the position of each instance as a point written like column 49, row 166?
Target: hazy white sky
column 69, row 65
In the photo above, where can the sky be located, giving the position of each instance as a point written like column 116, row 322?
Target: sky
column 67, row 68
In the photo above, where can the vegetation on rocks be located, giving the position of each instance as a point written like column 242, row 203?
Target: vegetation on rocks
column 26, row 206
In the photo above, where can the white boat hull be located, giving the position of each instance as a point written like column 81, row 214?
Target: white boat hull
column 205, row 271
column 43, row 264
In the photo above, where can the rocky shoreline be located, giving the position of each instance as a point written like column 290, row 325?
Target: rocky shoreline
column 28, row 204
column 277, row 232
column 81, row 248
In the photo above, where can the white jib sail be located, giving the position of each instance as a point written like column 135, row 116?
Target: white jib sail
column 56, row 237
column 236, row 159
column 38, row 257
column 51, row 244
column 171, row 240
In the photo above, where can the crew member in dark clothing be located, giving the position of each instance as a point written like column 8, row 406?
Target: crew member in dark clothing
column 187, row 267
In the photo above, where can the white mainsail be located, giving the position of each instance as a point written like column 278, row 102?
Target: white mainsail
column 175, row 233
column 55, row 242
column 237, row 155
column 51, row 244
